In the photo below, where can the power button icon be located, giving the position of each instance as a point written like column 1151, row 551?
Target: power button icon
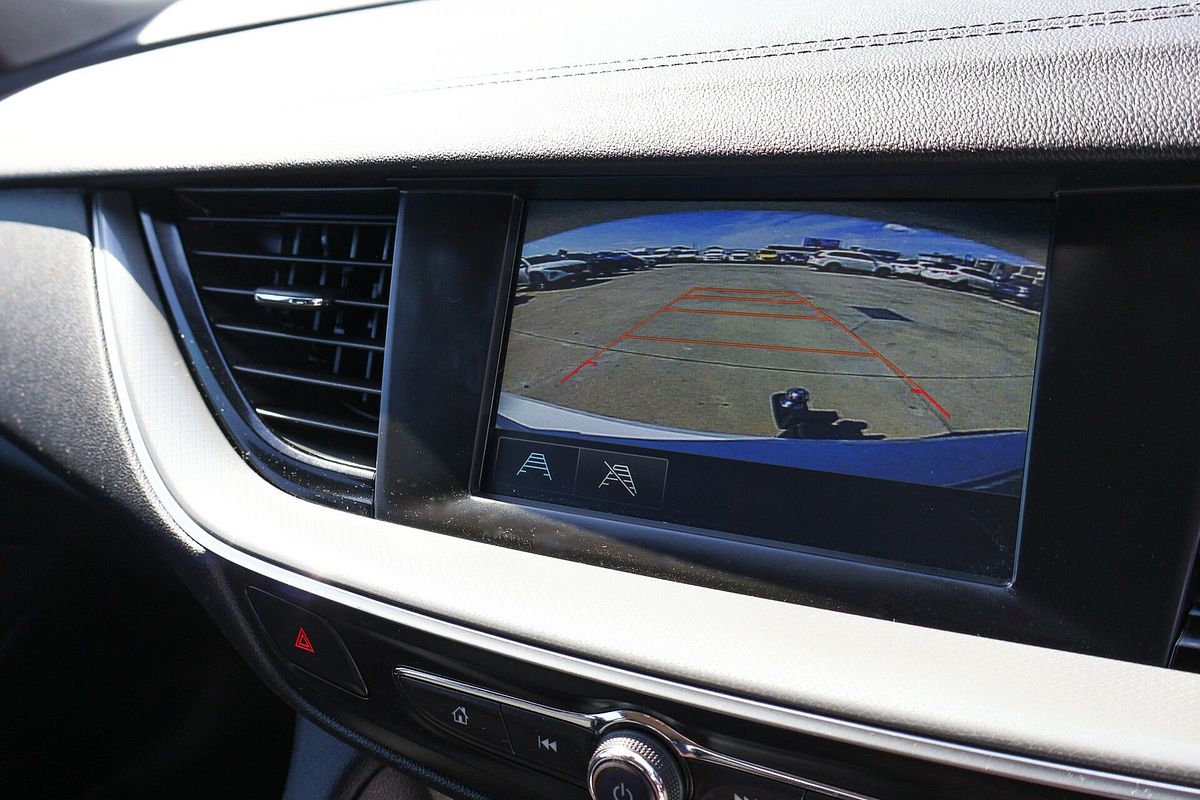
column 623, row 792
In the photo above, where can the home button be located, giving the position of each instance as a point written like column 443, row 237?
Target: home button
column 460, row 714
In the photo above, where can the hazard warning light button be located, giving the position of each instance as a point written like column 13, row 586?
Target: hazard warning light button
column 306, row 640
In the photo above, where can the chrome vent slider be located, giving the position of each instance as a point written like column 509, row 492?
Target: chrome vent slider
column 281, row 298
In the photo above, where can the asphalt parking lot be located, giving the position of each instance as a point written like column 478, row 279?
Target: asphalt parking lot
column 703, row 347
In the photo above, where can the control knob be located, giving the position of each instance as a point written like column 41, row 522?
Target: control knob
column 631, row 765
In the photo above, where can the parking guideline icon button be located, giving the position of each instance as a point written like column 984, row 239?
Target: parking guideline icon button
column 621, row 478
column 528, row 464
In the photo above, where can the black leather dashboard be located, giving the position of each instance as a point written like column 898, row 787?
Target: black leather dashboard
column 445, row 88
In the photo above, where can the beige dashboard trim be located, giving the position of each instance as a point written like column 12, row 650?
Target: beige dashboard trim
column 942, row 697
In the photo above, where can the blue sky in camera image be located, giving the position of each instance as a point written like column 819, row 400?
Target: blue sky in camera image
column 751, row 230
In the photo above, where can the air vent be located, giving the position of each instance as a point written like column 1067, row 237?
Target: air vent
column 294, row 285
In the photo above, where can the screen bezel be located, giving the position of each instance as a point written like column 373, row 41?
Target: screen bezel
column 491, row 434
column 433, row 433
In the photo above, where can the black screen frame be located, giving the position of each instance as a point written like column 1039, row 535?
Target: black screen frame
column 490, row 434
column 1118, row 595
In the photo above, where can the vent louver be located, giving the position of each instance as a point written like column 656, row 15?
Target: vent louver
column 294, row 285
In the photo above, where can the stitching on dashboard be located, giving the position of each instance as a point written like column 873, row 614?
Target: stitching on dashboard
column 1039, row 22
column 1092, row 19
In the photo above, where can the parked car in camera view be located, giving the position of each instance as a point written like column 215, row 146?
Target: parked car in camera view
column 605, row 262
column 547, row 271
column 793, row 253
column 850, row 261
column 739, row 255
column 596, row 265
column 943, row 275
column 651, row 256
column 909, row 268
column 965, row 278
column 1021, row 289
column 713, row 254
column 679, row 254
column 767, row 256
column 622, row 260
column 978, row 279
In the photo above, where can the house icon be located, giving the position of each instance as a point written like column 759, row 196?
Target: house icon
column 459, row 715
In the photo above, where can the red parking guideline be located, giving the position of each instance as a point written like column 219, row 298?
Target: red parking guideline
column 740, row 295
column 753, row 346
column 812, row 317
column 592, row 358
column 743, row 299
column 916, row 387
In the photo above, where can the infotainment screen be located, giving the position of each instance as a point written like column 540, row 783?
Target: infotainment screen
column 849, row 378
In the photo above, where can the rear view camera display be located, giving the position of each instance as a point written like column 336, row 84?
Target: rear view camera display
column 848, row 377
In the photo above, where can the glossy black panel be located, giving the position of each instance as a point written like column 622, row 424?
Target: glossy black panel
column 306, row 640
column 452, row 249
column 905, row 524
column 1111, row 508
column 1109, row 526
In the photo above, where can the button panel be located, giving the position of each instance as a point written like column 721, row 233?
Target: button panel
column 461, row 714
column 306, row 640
column 563, row 743
column 558, row 746
column 719, row 782
column 751, row 789
column 609, row 476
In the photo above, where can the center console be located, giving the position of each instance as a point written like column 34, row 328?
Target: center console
column 923, row 406
column 508, row 728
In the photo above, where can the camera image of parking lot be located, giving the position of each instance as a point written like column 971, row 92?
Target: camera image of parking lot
column 839, row 330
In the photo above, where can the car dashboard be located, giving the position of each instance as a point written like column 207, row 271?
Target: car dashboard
column 653, row 401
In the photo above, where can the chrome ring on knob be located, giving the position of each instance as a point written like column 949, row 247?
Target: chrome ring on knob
column 640, row 751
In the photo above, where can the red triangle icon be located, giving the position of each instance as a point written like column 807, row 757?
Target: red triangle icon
column 302, row 642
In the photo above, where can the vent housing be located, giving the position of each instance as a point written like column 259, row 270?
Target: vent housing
column 1187, row 648
column 294, row 285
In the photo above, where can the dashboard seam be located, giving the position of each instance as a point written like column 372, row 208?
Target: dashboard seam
column 1094, row 19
